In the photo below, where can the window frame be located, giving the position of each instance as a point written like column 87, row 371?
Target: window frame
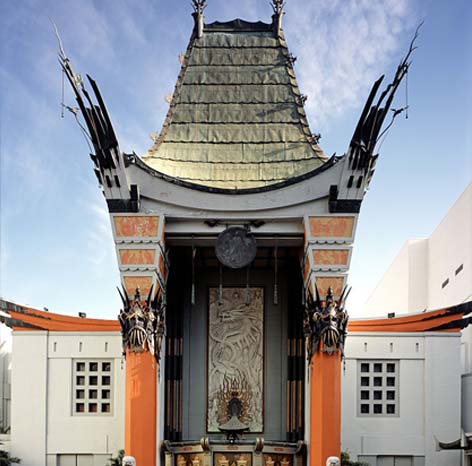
column 87, row 388
column 374, row 387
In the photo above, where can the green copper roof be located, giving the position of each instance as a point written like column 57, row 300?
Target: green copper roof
column 236, row 119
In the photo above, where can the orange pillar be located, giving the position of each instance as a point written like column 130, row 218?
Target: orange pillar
column 325, row 407
column 140, row 410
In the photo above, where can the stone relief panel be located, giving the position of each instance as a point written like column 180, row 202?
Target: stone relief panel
column 277, row 460
column 236, row 355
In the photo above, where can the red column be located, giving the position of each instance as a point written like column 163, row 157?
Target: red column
column 325, row 407
column 140, row 410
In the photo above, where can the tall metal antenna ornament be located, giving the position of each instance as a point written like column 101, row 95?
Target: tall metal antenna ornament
column 100, row 135
column 361, row 153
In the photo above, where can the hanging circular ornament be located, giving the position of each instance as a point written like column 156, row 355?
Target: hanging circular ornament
column 235, row 247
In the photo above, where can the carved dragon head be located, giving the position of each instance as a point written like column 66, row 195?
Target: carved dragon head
column 325, row 322
column 142, row 322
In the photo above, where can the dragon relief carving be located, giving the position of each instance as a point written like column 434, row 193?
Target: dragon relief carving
column 235, row 350
column 325, row 322
column 142, row 322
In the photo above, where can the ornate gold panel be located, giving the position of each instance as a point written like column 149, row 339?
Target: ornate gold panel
column 232, row 459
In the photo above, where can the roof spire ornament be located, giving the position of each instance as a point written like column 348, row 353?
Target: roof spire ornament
column 278, row 7
column 198, row 6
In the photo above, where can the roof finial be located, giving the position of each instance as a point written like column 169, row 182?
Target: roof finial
column 278, row 7
column 198, row 6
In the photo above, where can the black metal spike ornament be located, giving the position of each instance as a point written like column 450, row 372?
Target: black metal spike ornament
column 220, row 287
column 248, row 289
column 194, row 253
column 278, row 6
column 276, row 272
column 199, row 5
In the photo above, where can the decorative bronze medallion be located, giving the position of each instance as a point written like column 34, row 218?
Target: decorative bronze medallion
column 235, row 247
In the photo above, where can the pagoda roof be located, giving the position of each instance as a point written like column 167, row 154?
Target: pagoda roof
column 236, row 119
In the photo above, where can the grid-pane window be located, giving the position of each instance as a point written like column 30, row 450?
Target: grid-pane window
column 378, row 388
column 92, row 387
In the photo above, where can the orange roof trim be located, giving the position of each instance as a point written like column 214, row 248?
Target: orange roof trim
column 27, row 319
column 449, row 319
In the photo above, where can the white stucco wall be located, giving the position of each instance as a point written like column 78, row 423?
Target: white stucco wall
column 414, row 280
column 467, row 407
column 5, row 378
column 404, row 286
column 396, row 279
column 429, row 405
column 29, row 387
column 5, row 386
column 43, row 425
column 450, row 246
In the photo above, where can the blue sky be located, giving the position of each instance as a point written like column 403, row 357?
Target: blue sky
column 56, row 244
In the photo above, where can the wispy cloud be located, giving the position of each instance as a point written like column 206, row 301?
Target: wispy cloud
column 342, row 46
column 100, row 244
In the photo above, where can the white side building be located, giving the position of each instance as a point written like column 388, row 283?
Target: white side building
column 68, row 398
column 399, row 393
column 431, row 273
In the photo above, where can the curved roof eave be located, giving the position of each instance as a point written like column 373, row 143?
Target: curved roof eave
column 135, row 159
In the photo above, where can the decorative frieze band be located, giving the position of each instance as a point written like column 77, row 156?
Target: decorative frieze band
column 141, row 253
column 137, row 256
column 136, row 226
column 330, row 228
column 134, row 282
column 327, row 253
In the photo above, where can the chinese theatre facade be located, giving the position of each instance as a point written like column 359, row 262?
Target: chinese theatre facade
column 234, row 234
column 242, row 229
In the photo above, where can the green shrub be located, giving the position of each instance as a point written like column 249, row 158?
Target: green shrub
column 6, row 459
column 117, row 460
column 346, row 460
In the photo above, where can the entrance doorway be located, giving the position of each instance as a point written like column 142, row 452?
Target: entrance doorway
column 241, row 327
